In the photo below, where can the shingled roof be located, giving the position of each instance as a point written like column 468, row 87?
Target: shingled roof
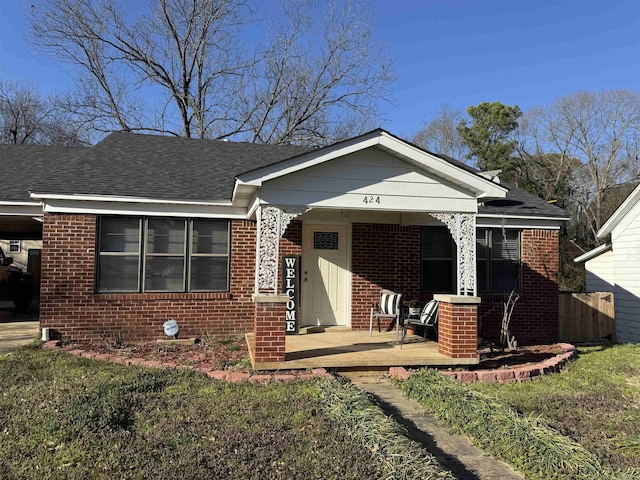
column 24, row 166
column 163, row 168
column 173, row 168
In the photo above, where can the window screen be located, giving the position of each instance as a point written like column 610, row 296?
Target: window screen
column 169, row 254
column 119, row 254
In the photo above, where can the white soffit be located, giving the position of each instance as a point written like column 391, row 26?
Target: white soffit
column 605, row 247
column 481, row 187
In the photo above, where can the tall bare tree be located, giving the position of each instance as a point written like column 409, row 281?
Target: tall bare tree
column 440, row 133
column 602, row 131
column 28, row 118
column 194, row 68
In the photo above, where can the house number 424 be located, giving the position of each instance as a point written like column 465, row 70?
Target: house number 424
column 370, row 199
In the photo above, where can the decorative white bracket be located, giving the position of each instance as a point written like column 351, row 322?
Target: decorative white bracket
column 463, row 230
column 272, row 223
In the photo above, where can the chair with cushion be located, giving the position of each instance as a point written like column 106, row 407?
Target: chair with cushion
column 428, row 319
column 390, row 306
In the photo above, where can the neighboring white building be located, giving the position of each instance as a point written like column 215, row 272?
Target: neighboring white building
column 617, row 263
column 598, row 268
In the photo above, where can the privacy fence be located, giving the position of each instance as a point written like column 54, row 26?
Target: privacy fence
column 586, row 317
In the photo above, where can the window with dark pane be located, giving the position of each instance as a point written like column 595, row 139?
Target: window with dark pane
column 505, row 260
column 437, row 260
column 482, row 257
column 119, row 254
column 209, row 263
column 325, row 240
column 165, row 248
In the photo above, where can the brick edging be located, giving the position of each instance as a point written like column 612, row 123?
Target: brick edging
column 225, row 375
column 504, row 375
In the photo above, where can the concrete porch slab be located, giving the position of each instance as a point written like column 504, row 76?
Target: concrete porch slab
column 342, row 348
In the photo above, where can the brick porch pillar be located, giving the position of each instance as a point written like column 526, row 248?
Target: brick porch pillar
column 269, row 328
column 458, row 326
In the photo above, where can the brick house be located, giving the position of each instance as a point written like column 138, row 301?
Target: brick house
column 139, row 229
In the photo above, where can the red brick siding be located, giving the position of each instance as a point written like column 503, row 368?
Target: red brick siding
column 457, row 330
column 382, row 256
column 71, row 308
column 269, row 332
column 535, row 317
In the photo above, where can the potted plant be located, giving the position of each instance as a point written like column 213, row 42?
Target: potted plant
column 414, row 308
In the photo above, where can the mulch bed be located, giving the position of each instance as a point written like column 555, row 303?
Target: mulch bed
column 495, row 359
column 212, row 354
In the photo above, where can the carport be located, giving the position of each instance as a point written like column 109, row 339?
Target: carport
column 24, row 167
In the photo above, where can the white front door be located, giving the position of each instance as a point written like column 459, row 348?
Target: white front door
column 325, row 275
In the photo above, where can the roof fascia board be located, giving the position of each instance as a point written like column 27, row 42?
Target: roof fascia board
column 527, row 217
column 522, row 223
column 20, row 209
column 619, row 214
column 475, row 183
column 136, row 208
column 10, row 203
column 128, row 200
column 599, row 250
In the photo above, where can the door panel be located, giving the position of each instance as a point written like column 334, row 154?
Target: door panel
column 325, row 280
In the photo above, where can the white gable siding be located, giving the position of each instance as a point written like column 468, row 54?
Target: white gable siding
column 369, row 179
column 625, row 238
column 599, row 272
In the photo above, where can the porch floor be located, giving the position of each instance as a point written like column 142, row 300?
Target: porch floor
column 343, row 348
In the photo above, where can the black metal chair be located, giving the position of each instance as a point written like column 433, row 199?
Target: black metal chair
column 428, row 319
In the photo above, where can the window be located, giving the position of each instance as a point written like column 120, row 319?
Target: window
column 14, row 246
column 159, row 254
column 497, row 255
column 438, row 260
column 325, row 240
column 502, row 272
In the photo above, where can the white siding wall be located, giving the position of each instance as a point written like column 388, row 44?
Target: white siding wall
column 600, row 273
column 369, row 180
column 625, row 238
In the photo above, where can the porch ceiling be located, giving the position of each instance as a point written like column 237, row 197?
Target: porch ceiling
column 345, row 348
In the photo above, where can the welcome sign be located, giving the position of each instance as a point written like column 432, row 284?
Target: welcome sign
column 291, row 287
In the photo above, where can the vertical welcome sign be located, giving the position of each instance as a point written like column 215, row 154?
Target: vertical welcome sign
column 291, row 288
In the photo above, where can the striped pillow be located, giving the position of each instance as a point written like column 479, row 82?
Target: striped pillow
column 390, row 303
column 429, row 313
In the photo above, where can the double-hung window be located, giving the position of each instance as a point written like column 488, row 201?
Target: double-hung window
column 157, row 254
column 498, row 257
column 438, row 260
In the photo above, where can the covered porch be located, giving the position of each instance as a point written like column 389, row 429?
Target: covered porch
column 343, row 348
column 349, row 217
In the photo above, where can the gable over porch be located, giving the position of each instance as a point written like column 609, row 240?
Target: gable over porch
column 368, row 199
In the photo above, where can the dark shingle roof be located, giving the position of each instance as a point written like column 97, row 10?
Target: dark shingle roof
column 518, row 202
column 173, row 168
column 164, row 168
column 23, row 166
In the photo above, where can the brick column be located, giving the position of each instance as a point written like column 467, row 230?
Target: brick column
column 458, row 326
column 269, row 328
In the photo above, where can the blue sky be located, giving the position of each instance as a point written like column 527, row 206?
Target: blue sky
column 463, row 52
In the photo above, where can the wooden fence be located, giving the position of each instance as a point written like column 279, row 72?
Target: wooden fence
column 586, row 317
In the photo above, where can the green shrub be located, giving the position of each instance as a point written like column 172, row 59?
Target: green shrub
column 525, row 442
column 401, row 458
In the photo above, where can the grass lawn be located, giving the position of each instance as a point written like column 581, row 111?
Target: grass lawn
column 595, row 401
column 69, row 417
column 581, row 423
